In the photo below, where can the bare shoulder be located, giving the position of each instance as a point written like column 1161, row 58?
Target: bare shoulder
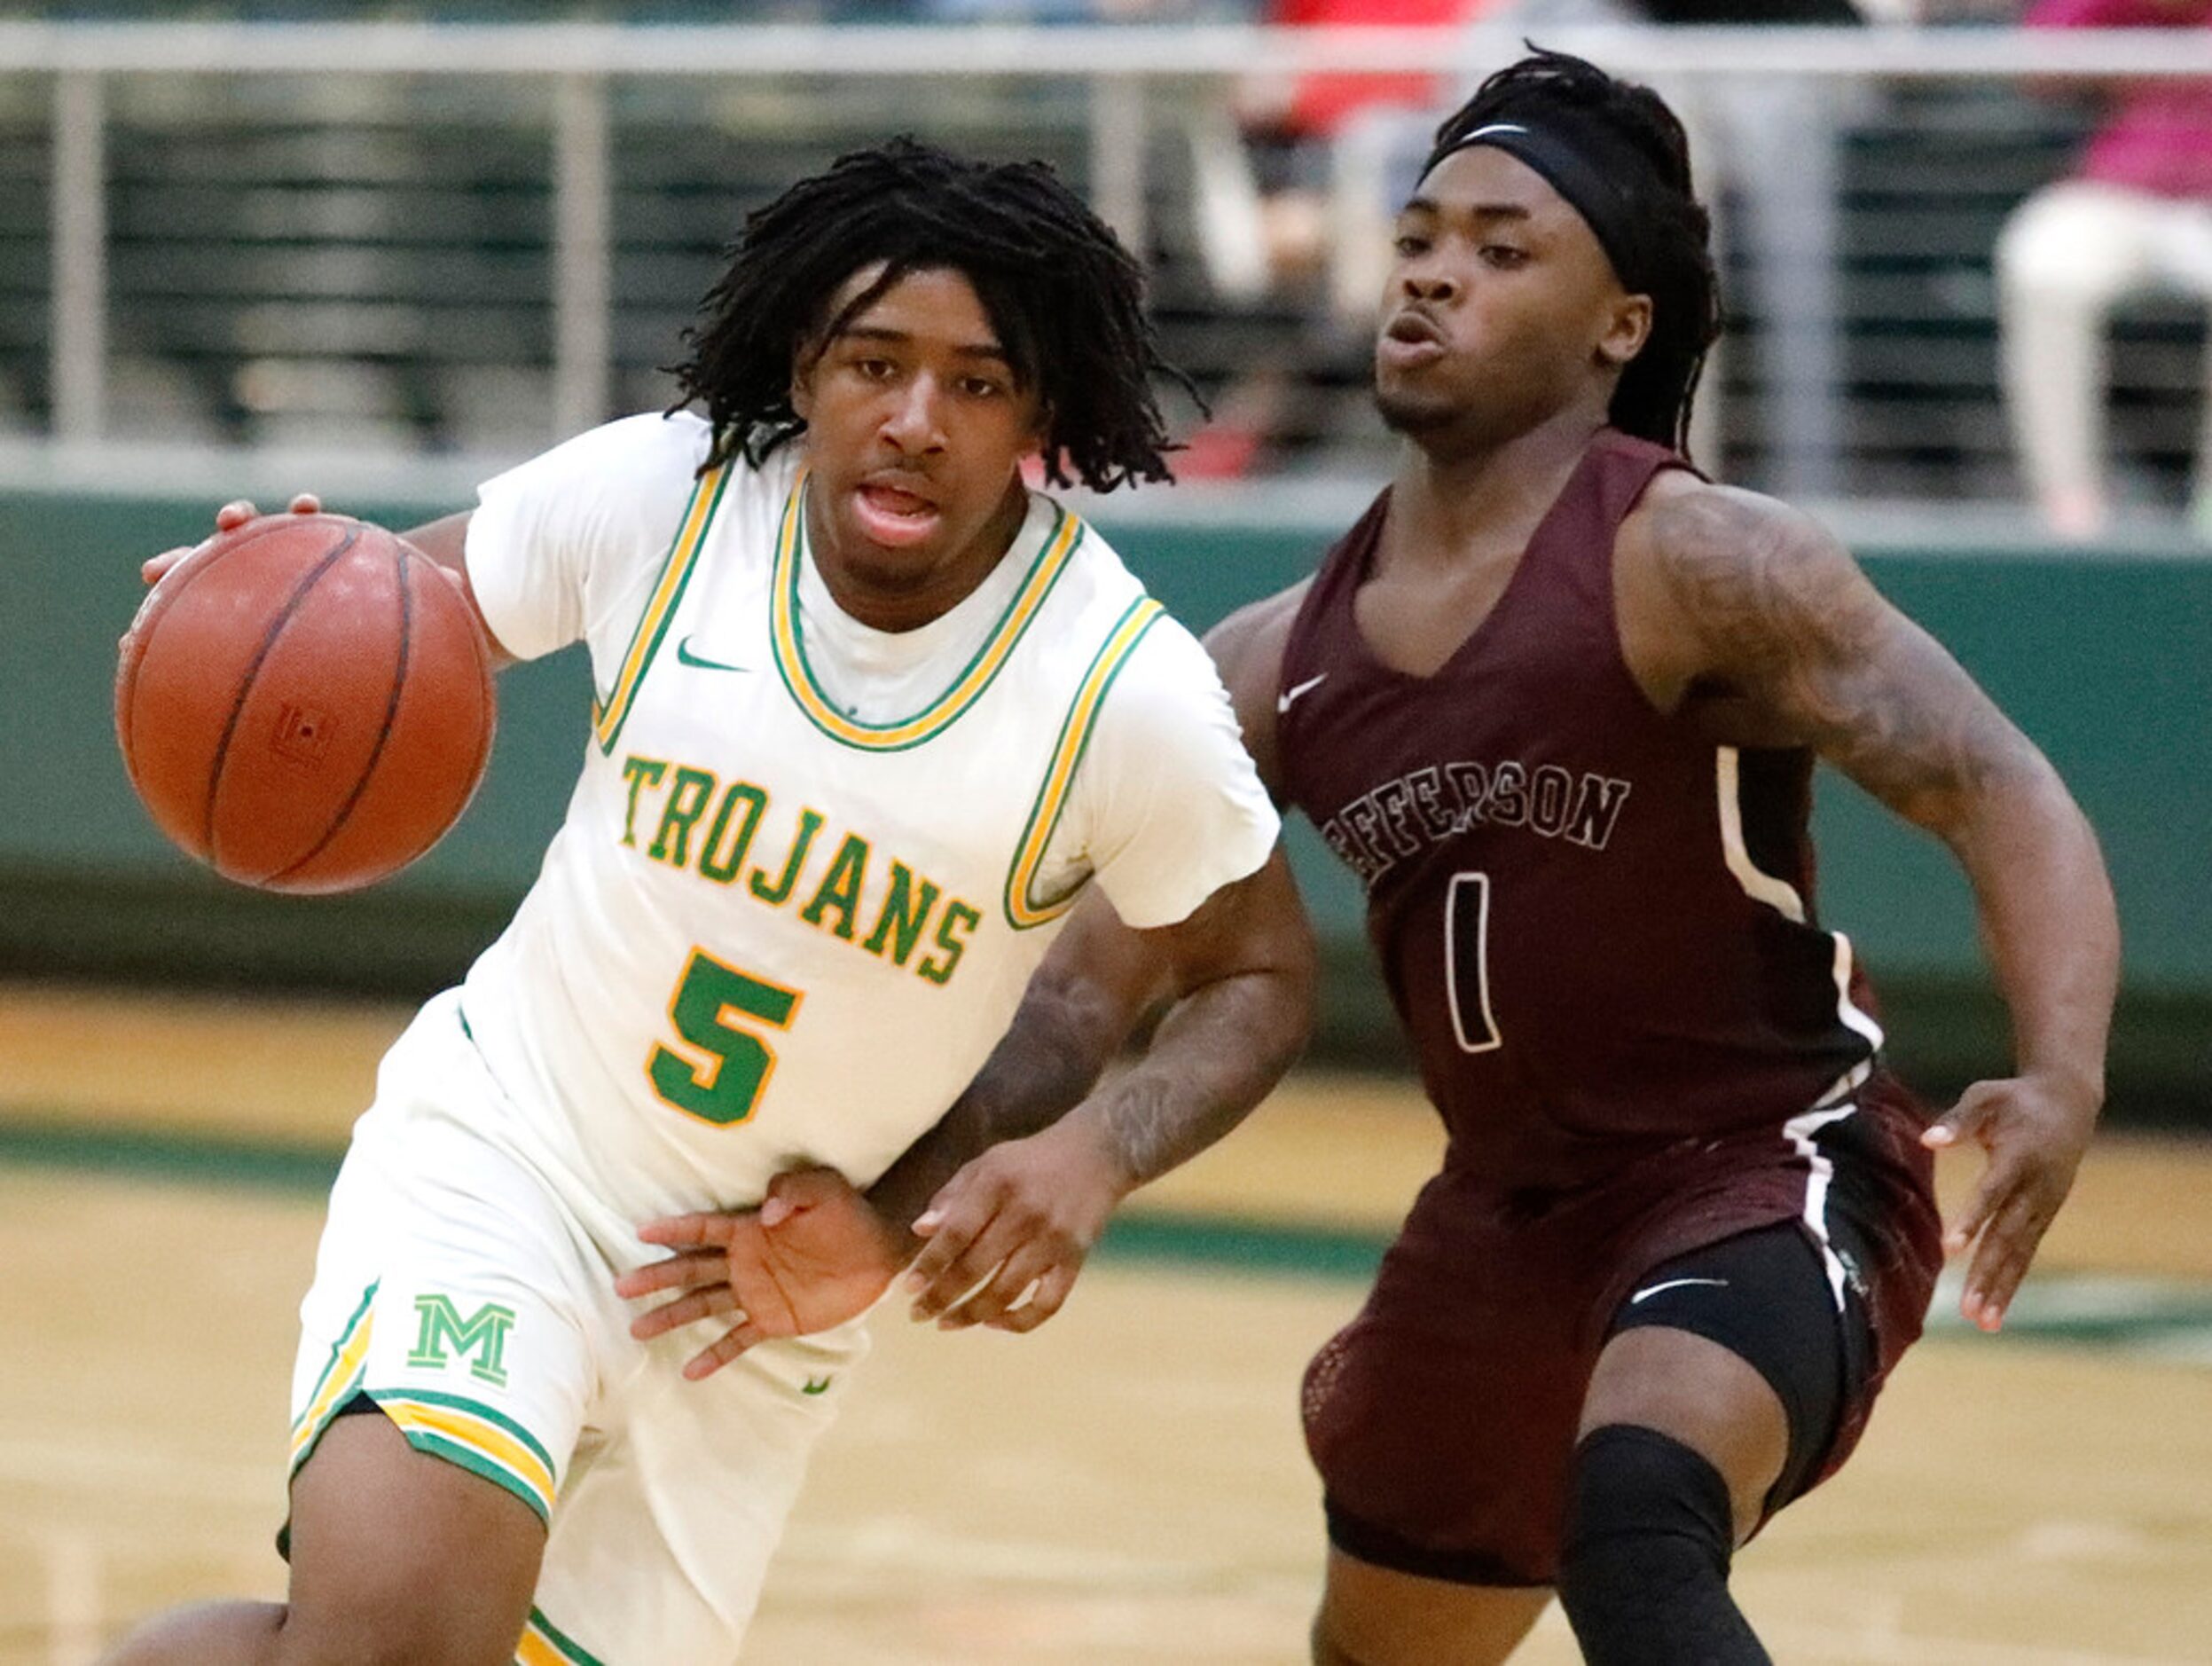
column 1717, row 581
column 1777, row 639
column 1698, row 533
column 1247, row 646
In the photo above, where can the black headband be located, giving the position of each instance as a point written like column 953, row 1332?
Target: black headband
column 1591, row 189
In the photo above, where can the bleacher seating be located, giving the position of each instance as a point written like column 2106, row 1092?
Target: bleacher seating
column 1929, row 173
column 369, row 264
column 25, row 261
column 380, row 274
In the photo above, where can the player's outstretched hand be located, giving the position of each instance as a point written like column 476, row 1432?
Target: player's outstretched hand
column 814, row 1254
column 228, row 518
column 1008, row 1233
column 2033, row 1131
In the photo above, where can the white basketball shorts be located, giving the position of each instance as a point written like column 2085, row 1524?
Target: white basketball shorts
column 455, row 1289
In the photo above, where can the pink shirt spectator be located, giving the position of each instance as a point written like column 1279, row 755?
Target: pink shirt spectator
column 2159, row 135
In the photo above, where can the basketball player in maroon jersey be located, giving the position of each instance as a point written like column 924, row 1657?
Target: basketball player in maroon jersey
column 1556, row 699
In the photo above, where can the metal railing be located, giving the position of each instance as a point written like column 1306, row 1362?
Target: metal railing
column 1130, row 77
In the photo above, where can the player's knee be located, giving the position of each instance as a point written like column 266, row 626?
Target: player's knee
column 1328, row 1649
column 241, row 1631
column 401, row 1556
column 389, row 1635
column 328, row 1633
column 370, row 1619
column 1644, row 1567
column 1638, row 1498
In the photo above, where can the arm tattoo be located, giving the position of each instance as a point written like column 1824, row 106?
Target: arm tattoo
column 1788, row 621
column 1047, row 1060
column 1215, row 1056
column 1785, row 621
column 1044, row 1065
column 1147, row 1128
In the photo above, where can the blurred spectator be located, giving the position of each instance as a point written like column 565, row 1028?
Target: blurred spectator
column 1768, row 157
column 1305, row 204
column 1273, row 192
column 1051, row 11
column 2136, row 214
column 1294, row 184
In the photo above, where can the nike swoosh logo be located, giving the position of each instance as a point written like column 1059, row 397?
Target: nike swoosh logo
column 814, row 1385
column 1672, row 1284
column 685, row 656
column 1284, row 700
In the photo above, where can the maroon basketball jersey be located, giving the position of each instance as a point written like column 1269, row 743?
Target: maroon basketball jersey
column 1596, row 927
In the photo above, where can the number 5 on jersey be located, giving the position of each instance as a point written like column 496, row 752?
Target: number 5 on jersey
column 719, row 1010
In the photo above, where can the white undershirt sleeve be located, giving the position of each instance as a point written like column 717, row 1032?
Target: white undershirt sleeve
column 1168, row 804
column 558, row 544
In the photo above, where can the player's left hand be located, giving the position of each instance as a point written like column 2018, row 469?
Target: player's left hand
column 1008, row 1233
column 2034, row 1129
column 228, row 518
column 813, row 1255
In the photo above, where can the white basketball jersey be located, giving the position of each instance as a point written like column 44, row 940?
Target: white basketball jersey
column 809, row 868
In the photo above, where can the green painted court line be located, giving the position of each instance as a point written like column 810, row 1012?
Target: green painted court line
column 1241, row 1245
column 2171, row 1318
column 77, row 1143
column 2167, row 1318
column 307, row 1169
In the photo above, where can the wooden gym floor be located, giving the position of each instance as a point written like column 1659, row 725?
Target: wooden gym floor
column 1126, row 1485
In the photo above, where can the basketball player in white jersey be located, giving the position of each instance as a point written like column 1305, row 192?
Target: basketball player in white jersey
column 872, row 718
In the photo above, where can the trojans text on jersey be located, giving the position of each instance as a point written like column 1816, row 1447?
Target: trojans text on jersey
column 687, row 817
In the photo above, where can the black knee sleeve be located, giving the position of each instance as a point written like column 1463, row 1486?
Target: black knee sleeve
column 1644, row 1570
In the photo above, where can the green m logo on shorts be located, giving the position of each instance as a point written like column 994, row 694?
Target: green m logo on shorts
column 482, row 1337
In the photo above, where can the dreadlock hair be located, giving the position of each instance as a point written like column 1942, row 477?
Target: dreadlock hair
column 1645, row 157
column 1065, row 296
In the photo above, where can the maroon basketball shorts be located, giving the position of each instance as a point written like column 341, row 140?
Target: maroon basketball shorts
column 1443, row 1418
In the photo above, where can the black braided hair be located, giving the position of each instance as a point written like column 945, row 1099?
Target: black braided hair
column 1653, row 398
column 1066, row 299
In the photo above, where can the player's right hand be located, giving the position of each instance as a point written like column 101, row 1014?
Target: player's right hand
column 228, row 518
column 813, row 1255
column 1010, row 1231
column 2033, row 1131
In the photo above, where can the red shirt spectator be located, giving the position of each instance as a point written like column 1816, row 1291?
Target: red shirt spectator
column 1320, row 103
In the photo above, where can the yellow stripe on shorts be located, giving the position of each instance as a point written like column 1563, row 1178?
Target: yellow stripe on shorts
column 340, row 1376
column 941, row 714
column 1022, row 910
column 683, row 555
column 476, row 1438
column 543, row 1644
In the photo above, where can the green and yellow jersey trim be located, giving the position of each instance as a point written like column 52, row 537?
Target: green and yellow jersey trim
column 1023, row 909
column 480, row 1439
column 543, row 1644
column 940, row 714
column 608, row 715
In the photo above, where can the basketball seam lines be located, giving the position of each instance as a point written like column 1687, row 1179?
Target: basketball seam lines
column 145, row 628
column 245, row 683
column 384, row 734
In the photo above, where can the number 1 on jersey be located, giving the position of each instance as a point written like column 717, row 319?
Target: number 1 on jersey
column 726, row 1087
column 1467, row 962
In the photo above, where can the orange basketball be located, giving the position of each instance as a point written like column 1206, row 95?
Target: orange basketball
column 305, row 703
